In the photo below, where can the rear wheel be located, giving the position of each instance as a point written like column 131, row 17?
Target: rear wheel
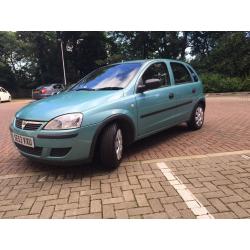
column 197, row 119
column 111, row 147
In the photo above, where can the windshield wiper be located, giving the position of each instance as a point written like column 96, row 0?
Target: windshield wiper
column 87, row 89
column 110, row 88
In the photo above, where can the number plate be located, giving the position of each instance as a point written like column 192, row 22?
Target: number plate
column 23, row 140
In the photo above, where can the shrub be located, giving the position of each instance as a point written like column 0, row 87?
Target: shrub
column 218, row 83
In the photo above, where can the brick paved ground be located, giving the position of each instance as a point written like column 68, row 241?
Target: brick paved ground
column 138, row 188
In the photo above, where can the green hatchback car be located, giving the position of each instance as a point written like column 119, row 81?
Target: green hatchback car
column 109, row 109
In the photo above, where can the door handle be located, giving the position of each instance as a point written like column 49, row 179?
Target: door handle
column 193, row 91
column 171, row 95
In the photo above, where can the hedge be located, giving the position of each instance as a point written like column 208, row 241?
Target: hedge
column 216, row 83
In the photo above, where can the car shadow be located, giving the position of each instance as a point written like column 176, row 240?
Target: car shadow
column 156, row 139
column 95, row 169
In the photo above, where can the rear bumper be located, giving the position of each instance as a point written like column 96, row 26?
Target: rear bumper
column 58, row 146
column 39, row 96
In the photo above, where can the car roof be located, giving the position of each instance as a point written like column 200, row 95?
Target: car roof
column 151, row 60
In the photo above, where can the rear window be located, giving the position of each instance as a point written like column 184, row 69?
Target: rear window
column 43, row 86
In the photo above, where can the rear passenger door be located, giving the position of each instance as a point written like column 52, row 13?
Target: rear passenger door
column 185, row 89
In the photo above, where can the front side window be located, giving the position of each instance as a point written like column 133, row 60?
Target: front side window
column 112, row 77
column 181, row 74
column 157, row 71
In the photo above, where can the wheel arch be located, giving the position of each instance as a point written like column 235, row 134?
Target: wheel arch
column 202, row 101
column 124, row 122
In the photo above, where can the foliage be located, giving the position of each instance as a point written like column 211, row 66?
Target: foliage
column 216, row 83
column 30, row 58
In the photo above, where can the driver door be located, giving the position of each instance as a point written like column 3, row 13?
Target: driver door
column 153, row 111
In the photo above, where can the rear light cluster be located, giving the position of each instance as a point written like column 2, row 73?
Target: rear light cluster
column 43, row 91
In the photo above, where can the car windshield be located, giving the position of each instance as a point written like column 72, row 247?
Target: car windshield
column 112, row 77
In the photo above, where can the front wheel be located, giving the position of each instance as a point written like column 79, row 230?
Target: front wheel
column 197, row 118
column 111, row 147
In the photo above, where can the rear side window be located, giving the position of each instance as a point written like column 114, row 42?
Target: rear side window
column 181, row 74
column 194, row 75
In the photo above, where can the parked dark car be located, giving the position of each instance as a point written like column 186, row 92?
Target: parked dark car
column 47, row 90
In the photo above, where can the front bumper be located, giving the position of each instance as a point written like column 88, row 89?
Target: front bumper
column 66, row 146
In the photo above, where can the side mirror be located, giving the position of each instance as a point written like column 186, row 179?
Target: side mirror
column 152, row 83
column 149, row 84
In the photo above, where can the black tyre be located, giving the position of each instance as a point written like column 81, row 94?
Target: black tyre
column 111, row 147
column 197, row 118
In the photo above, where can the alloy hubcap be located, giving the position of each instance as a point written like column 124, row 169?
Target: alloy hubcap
column 199, row 116
column 118, row 144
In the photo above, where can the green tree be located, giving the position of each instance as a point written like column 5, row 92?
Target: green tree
column 84, row 52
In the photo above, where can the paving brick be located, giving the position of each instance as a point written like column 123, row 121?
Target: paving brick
column 112, row 200
column 139, row 211
column 64, row 193
column 28, row 203
column 121, row 214
column 108, row 211
column 37, row 207
column 58, row 214
column 47, row 212
column 161, row 215
column 219, row 205
column 141, row 200
column 126, row 205
column 66, row 206
column 95, row 206
column 16, row 213
column 105, row 188
column 244, row 204
column 90, row 216
column 225, row 215
column 74, row 197
column 128, row 195
column 172, row 211
column 156, row 205
column 56, row 202
column 230, row 199
column 77, row 211
column 239, row 211
column 47, row 197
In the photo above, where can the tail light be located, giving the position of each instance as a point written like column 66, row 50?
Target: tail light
column 43, row 91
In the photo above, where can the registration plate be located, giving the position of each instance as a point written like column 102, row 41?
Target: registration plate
column 23, row 140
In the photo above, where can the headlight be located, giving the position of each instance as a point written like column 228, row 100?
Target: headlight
column 67, row 121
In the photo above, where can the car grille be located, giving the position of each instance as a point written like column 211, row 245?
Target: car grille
column 59, row 152
column 32, row 151
column 27, row 125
